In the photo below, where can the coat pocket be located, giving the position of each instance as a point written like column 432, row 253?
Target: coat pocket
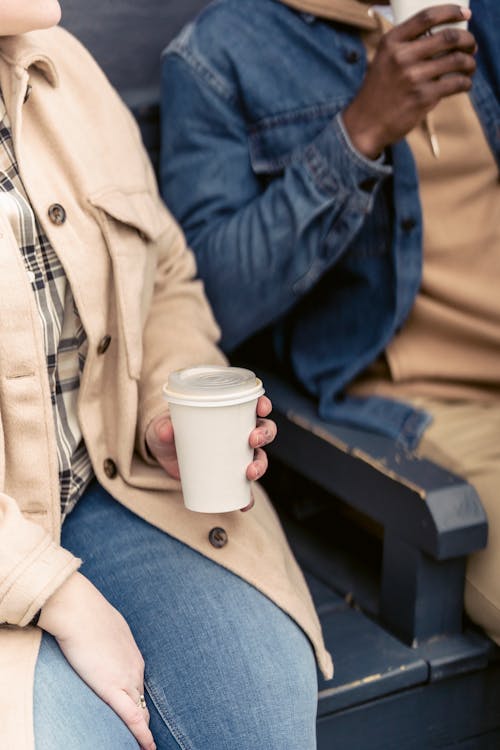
column 131, row 222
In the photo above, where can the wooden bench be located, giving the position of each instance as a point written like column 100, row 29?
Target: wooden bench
column 387, row 534
column 382, row 536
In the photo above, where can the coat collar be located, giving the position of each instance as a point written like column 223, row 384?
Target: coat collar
column 19, row 57
column 24, row 51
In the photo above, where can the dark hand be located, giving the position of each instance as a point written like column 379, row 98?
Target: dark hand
column 411, row 72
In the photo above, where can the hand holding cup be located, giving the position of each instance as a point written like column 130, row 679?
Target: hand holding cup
column 405, row 9
column 413, row 69
column 219, row 419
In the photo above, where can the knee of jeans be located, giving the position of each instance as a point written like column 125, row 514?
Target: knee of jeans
column 266, row 699
column 289, row 693
column 280, row 679
column 282, row 714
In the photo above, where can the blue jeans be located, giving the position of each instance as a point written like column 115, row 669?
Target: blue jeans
column 225, row 668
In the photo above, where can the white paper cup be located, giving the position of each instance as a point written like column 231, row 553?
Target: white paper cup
column 213, row 411
column 404, row 9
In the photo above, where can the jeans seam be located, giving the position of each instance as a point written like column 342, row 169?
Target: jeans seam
column 168, row 721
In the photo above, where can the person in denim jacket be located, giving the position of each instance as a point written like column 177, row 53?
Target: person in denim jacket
column 337, row 179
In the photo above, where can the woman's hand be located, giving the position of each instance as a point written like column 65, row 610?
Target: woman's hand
column 413, row 69
column 97, row 642
column 161, row 443
column 264, row 433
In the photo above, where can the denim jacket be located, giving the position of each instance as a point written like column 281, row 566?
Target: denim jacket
column 293, row 229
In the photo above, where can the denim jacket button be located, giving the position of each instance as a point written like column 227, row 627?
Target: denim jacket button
column 408, row 224
column 368, row 184
column 218, row 537
column 352, row 56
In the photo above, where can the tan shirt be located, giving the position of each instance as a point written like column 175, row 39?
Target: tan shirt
column 133, row 279
column 450, row 345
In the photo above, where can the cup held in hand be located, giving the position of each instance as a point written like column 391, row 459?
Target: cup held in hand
column 213, row 411
column 405, row 9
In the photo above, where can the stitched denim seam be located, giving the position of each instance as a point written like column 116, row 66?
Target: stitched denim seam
column 200, row 67
column 318, row 169
column 298, row 115
column 168, row 721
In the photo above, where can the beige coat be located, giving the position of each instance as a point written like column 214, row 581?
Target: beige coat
column 131, row 276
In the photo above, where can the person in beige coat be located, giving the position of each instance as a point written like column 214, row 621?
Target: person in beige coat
column 181, row 629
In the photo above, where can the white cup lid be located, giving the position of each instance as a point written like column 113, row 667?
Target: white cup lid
column 212, row 385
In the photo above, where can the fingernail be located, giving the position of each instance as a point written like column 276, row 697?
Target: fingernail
column 466, row 12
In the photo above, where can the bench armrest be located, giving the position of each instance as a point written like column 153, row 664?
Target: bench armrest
column 431, row 518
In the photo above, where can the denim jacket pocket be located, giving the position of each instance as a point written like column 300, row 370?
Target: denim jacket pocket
column 277, row 141
column 131, row 223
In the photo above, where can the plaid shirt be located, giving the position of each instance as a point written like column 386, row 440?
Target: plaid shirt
column 64, row 336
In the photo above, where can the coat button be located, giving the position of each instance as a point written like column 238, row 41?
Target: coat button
column 27, row 95
column 57, row 214
column 104, row 344
column 218, row 537
column 110, row 469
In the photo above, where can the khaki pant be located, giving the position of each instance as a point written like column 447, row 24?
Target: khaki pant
column 465, row 438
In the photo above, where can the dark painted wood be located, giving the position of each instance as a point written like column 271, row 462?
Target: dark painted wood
column 428, row 527
column 345, row 574
column 451, row 655
column 440, row 513
column 420, row 597
column 128, row 36
column 458, row 714
column 325, row 599
column 345, row 558
column 369, row 662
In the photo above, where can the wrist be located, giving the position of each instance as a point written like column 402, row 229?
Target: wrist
column 364, row 136
column 56, row 612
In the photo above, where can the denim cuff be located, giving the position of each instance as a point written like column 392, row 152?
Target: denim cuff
column 367, row 163
column 337, row 166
